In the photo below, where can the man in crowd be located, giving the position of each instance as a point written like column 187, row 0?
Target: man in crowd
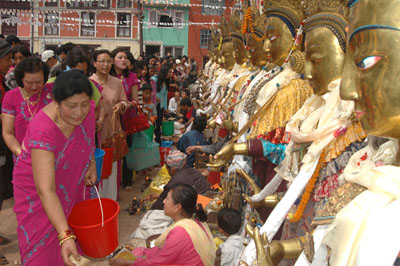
column 180, row 173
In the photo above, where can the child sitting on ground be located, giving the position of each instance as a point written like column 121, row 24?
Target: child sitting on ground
column 229, row 223
column 149, row 109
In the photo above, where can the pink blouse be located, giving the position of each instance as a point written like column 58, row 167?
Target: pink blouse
column 178, row 250
column 23, row 110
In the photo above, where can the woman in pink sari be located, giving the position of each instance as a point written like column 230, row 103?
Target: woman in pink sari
column 50, row 174
column 21, row 104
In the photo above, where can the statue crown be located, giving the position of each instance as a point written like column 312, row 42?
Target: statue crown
column 331, row 14
column 225, row 29
column 290, row 11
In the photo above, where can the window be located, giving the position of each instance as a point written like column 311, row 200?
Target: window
column 88, row 4
column 152, row 18
column 213, row 7
column 165, row 21
column 51, row 24
column 178, row 19
column 205, row 38
column 124, row 3
column 173, row 50
column 51, row 3
column 12, row 4
column 87, row 24
column 124, row 25
column 8, row 25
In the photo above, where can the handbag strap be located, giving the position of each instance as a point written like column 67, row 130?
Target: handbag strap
column 114, row 120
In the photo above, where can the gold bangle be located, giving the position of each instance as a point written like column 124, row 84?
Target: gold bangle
column 67, row 238
column 18, row 151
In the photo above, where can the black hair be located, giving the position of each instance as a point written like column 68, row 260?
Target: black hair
column 229, row 220
column 200, row 123
column 186, row 102
column 31, row 64
column 186, row 195
column 2, row 36
column 131, row 58
column 21, row 49
column 68, row 47
column 96, row 53
column 75, row 56
column 147, row 87
column 162, row 77
column 187, row 92
column 113, row 54
column 12, row 39
column 70, row 83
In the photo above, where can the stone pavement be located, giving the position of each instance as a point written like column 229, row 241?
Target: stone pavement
column 127, row 223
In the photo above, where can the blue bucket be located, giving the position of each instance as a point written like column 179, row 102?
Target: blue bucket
column 98, row 156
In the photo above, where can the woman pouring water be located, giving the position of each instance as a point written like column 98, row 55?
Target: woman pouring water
column 50, row 174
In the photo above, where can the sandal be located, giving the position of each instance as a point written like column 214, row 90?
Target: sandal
column 3, row 260
column 4, row 241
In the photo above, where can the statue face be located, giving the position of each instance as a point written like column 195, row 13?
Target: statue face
column 258, row 56
column 226, row 55
column 279, row 40
column 324, row 59
column 370, row 74
column 239, row 51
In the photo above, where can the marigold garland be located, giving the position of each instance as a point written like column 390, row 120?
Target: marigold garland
column 247, row 18
column 307, row 193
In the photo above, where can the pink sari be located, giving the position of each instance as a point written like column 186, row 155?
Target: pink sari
column 38, row 243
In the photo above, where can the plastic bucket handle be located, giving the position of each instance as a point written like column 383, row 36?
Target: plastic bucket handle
column 101, row 205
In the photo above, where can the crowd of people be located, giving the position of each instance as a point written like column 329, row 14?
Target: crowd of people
column 57, row 103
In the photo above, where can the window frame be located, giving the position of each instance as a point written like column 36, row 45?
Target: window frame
column 150, row 23
column 82, row 24
column 126, row 3
column 119, row 26
column 202, row 31
column 46, row 21
column 51, row 3
column 80, row 4
column 207, row 11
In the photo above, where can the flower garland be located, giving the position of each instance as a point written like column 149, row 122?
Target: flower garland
column 247, row 18
column 307, row 192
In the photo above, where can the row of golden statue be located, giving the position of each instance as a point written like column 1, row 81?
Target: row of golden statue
column 307, row 90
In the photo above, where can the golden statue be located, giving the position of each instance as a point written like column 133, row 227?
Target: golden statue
column 283, row 19
column 240, row 52
column 227, row 59
column 254, row 39
column 370, row 79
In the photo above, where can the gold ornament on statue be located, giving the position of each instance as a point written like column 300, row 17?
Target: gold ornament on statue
column 290, row 11
column 331, row 14
column 297, row 61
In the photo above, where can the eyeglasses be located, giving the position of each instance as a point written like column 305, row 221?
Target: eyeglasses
column 103, row 62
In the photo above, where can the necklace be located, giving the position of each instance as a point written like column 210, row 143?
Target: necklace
column 26, row 97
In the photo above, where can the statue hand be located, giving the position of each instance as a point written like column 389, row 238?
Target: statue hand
column 223, row 156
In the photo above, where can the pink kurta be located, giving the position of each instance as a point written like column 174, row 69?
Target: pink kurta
column 38, row 243
column 177, row 250
column 14, row 104
column 112, row 93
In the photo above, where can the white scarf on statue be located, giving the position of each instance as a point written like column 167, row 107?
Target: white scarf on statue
column 367, row 231
column 333, row 113
column 316, row 122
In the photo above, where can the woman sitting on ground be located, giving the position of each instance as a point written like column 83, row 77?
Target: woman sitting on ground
column 188, row 241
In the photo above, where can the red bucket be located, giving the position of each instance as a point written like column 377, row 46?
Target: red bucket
column 107, row 163
column 96, row 240
column 214, row 177
column 164, row 152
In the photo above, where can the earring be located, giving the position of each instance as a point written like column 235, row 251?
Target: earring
column 297, row 61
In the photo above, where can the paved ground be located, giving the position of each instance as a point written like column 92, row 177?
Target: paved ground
column 127, row 223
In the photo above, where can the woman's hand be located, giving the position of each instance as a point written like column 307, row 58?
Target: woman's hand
column 99, row 125
column 68, row 248
column 91, row 174
column 120, row 107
